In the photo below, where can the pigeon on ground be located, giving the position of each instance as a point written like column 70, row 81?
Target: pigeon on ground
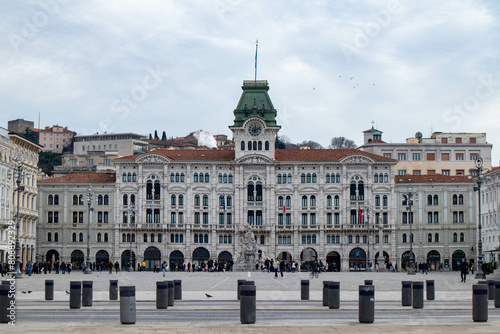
column 67, row 292
column 23, row 292
column 208, row 296
column 30, row 291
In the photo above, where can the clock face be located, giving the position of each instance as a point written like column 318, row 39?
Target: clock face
column 255, row 129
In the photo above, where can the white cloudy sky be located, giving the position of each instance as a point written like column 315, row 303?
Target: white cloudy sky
column 178, row 66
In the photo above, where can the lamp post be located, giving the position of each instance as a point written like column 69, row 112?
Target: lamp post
column 131, row 214
column 369, row 268
column 19, row 175
column 409, row 199
column 479, row 175
column 90, row 194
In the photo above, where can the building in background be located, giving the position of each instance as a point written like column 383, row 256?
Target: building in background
column 63, row 223
column 122, row 144
column 27, row 152
column 444, row 211
column 443, row 153
column 490, row 207
column 55, row 138
column 6, row 192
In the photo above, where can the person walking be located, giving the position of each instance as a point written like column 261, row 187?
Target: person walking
column 464, row 269
column 276, row 266
column 117, row 267
column 484, row 268
column 282, row 267
column 164, row 267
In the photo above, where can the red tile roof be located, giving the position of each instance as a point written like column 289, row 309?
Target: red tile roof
column 82, row 178
column 281, row 155
column 434, row 178
column 494, row 169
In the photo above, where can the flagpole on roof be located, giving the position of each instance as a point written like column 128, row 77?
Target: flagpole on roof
column 256, row 48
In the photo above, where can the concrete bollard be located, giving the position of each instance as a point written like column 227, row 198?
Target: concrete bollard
column 334, row 295
column 480, row 302
column 240, row 283
column 5, row 306
column 491, row 289
column 325, row 292
column 248, row 307
column 127, row 305
column 497, row 294
column 113, row 289
column 75, row 294
column 304, row 289
column 430, row 290
column 170, row 293
column 368, row 282
column 49, row 289
column 366, row 306
column 418, row 294
column 161, row 295
column 177, row 289
column 406, row 295
column 87, row 293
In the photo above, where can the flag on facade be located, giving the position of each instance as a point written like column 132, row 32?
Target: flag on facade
column 360, row 215
column 284, row 208
column 224, row 203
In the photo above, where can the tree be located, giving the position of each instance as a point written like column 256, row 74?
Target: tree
column 47, row 161
column 164, row 136
column 156, row 135
column 312, row 144
column 150, row 137
column 342, row 142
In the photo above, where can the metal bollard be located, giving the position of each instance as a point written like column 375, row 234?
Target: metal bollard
column 368, row 282
column 248, row 307
column 430, row 290
column 366, row 310
column 170, row 293
column 304, row 289
column 5, row 306
column 334, row 295
column 161, row 295
column 87, row 293
column 240, row 283
column 113, row 289
column 75, row 294
column 491, row 289
column 49, row 289
column 325, row 292
column 497, row 294
column 177, row 289
column 480, row 302
column 406, row 294
column 485, row 283
column 127, row 305
column 418, row 294
column 5, row 282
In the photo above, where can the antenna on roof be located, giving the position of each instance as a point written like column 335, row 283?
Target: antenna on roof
column 256, row 48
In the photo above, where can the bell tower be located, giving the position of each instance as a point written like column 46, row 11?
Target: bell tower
column 255, row 127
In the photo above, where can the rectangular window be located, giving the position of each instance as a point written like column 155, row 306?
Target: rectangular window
column 337, row 218
column 288, row 219
column 436, row 217
column 80, row 217
column 473, row 156
column 205, row 218
column 107, row 162
column 460, row 172
column 402, row 172
column 229, row 218
column 416, row 156
column 280, row 219
column 455, row 217
column 329, row 219
column 444, row 140
column 250, row 218
column 401, row 156
column 99, row 217
column 458, row 140
column 445, row 156
column 387, row 155
column 197, row 218
column 106, row 217
column 75, row 217
column 258, row 217
column 461, row 217
column 431, row 156
column 172, row 217
column 385, row 218
column 472, row 140
column 304, row 219
column 313, row 219
column 50, row 218
column 149, row 216
column 417, row 172
column 445, row 172
column 459, row 156
column 431, row 171
column 56, row 217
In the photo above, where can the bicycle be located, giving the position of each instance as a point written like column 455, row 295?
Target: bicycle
column 314, row 274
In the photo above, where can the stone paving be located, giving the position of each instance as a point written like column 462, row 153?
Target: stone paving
column 222, row 286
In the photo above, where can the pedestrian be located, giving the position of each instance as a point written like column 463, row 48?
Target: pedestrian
column 472, row 268
column 56, row 266
column 282, row 267
column 276, row 266
column 484, row 269
column 117, row 267
column 68, row 267
column 110, row 267
column 164, row 267
column 30, row 268
column 63, row 267
column 464, row 269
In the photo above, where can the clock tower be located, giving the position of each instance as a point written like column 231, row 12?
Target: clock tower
column 255, row 127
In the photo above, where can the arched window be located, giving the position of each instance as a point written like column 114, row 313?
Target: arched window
column 229, row 201
column 177, row 237
column 129, row 177
column 124, row 237
column 460, row 199
column 255, row 145
column 134, row 177
column 462, row 237
column 279, row 178
column 133, row 237
column 436, row 237
column 225, row 178
column 308, row 238
column 267, row 145
column 308, row 177
column 327, row 177
column 149, row 189
column 384, row 200
column 221, row 238
column 125, row 199
column 288, row 201
column 230, row 178
column 336, row 200
column 302, row 178
column 99, row 237
column 49, row 237
column 157, row 190
column 220, row 177
column 80, row 200
column 145, row 237
column 280, row 201
column 377, row 200
column 361, row 190
column 357, row 238
column 205, row 200
column 249, row 145
column 181, row 238
column 436, row 201
column 242, row 145
column 304, row 239
column 172, row 177
column 375, row 178
column 132, row 199
column 106, row 237
column 455, row 237
column 124, row 177
column 152, row 237
column 262, row 240
column 313, row 201
column 337, row 178
column 75, row 199
column 206, row 238
column 195, row 177
column 313, row 239
column 172, row 200
column 386, row 239
column 404, row 238
column 364, row 238
column 177, row 177
column 429, row 199
column 128, row 237
column 99, row 200
column 353, row 190
column 207, row 178
column 314, row 178
column 455, row 199
column 181, row 200
column 329, row 200
column 50, row 200
column 74, row 237
column 182, row 177
column 429, row 237
column 260, row 145
column 386, row 178
column 172, row 238
column 304, row 201
column 80, row 237
column 350, row 238
column 197, row 200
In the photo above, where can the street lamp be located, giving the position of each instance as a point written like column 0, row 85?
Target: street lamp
column 90, row 194
column 369, row 268
column 19, row 175
column 409, row 199
column 479, row 175
column 131, row 214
